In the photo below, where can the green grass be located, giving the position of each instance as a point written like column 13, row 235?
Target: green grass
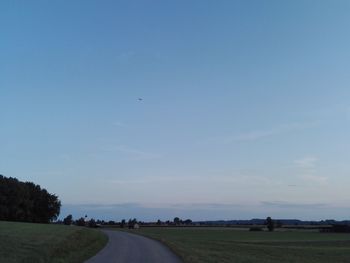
column 241, row 246
column 25, row 242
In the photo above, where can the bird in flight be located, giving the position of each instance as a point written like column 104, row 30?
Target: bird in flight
column 140, row 99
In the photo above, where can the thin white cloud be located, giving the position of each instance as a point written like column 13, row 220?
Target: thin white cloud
column 307, row 167
column 315, row 178
column 119, row 124
column 126, row 56
column 247, row 180
column 287, row 205
column 138, row 154
column 348, row 113
column 261, row 134
column 65, row 156
column 308, row 162
column 111, row 147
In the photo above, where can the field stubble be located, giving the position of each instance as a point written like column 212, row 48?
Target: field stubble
column 206, row 245
column 26, row 242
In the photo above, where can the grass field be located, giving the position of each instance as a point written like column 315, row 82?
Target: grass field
column 24, row 242
column 242, row 246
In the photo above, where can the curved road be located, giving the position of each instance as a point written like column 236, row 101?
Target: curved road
column 124, row 247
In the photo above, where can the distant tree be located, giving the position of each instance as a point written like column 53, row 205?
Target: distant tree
column 92, row 223
column 68, row 220
column 177, row 221
column 80, row 222
column 159, row 222
column 132, row 222
column 188, row 222
column 279, row 224
column 270, row 224
column 122, row 223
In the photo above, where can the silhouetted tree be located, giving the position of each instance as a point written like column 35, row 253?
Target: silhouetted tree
column 80, row 222
column 26, row 202
column 188, row 221
column 92, row 223
column 122, row 223
column 68, row 220
column 177, row 221
column 130, row 223
column 270, row 224
column 159, row 222
column 100, row 222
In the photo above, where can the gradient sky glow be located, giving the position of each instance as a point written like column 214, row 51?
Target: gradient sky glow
column 245, row 109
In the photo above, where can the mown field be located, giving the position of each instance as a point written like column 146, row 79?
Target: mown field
column 25, row 242
column 196, row 245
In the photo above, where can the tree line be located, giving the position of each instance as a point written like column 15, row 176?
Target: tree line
column 131, row 223
column 26, row 202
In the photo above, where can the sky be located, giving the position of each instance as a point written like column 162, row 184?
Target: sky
column 245, row 107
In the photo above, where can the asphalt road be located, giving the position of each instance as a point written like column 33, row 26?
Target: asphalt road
column 124, row 247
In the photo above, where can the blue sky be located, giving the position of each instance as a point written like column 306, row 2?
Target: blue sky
column 245, row 109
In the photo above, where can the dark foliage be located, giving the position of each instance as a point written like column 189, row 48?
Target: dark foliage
column 92, row 223
column 341, row 228
column 80, row 222
column 100, row 222
column 26, row 202
column 177, row 221
column 131, row 223
column 270, row 224
column 187, row 222
column 68, row 220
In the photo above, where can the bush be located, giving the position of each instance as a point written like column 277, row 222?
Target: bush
column 68, row 220
column 80, row 222
column 92, row 223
